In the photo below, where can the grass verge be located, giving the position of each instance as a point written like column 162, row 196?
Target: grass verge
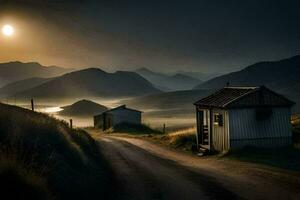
column 136, row 129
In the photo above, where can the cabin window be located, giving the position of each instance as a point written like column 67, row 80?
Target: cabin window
column 263, row 113
column 218, row 119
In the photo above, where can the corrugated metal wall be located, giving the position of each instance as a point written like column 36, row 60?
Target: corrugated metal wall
column 245, row 129
column 220, row 135
column 124, row 115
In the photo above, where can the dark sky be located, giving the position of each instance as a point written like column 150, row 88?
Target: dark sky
column 208, row 36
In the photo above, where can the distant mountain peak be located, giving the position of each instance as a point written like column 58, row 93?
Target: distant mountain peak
column 83, row 101
column 83, row 107
column 92, row 70
column 17, row 70
column 21, row 63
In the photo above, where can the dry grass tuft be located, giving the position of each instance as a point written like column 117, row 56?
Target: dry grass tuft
column 184, row 139
column 19, row 178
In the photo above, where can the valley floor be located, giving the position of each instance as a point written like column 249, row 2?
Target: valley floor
column 146, row 170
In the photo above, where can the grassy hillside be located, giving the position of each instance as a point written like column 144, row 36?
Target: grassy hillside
column 42, row 158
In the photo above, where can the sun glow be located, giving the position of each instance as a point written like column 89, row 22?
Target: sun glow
column 8, row 30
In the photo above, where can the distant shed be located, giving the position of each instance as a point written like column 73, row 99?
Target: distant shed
column 116, row 116
column 235, row 117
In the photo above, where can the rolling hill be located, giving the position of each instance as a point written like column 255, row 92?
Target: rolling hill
column 276, row 74
column 281, row 76
column 19, row 86
column 15, row 71
column 168, row 100
column 91, row 82
column 168, row 83
column 83, row 108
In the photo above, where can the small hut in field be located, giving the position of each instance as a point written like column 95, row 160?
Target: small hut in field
column 117, row 115
column 234, row 117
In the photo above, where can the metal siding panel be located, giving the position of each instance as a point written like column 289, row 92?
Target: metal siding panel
column 220, row 135
column 126, row 116
column 243, row 126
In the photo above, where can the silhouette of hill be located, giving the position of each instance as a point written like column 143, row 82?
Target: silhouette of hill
column 83, row 108
column 281, row 76
column 92, row 82
column 168, row 82
column 199, row 75
column 19, row 86
column 15, row 71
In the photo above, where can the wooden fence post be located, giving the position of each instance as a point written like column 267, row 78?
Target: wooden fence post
column 71, row 123
column 32, row 105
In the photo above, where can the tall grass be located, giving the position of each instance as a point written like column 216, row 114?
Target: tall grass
column 133, row 129
column 19, row 180
column 184, row 139
column 46, row 157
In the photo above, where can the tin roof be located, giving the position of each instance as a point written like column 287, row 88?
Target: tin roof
column 230, row 97
column 122, row 107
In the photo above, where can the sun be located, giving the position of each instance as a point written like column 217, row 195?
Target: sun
column 8, row 30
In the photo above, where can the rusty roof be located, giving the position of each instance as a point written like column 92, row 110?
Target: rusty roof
column 231, row 97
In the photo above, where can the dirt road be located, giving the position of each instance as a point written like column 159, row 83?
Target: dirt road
column 145, row 170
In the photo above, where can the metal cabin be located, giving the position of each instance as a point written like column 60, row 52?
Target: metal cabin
column 117, row 115
column 234, row 117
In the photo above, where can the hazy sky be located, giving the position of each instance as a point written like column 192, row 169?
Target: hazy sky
column 208, row 36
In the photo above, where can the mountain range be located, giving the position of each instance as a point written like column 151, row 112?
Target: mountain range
column 91, row 82
column 15, row 87
column 169, row 82
column 15, row 71
column 281, row 76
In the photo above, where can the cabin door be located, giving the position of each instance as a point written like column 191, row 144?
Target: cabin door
column 203, row 128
